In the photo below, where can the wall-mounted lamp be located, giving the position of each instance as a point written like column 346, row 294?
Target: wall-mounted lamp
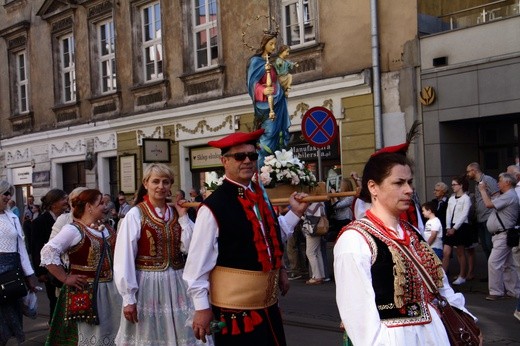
column 237, row 122
column 89, row 160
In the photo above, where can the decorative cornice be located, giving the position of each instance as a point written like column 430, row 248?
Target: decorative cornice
column 17, row 42
column 100, row 9
column 150, row 132
column 17, row 156
column 67, row 149
column 300, row 107
column 63, row 24
column 203, row 125
column 109, row 143
column 14, row 30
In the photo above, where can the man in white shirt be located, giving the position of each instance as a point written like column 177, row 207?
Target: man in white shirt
column 234, row 267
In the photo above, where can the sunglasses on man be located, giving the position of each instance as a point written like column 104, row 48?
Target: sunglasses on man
column 253, row 156
column 7, row 193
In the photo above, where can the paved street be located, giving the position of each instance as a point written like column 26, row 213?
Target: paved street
column 311, row 317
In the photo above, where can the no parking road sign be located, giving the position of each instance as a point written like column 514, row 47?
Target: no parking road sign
column 319, row 127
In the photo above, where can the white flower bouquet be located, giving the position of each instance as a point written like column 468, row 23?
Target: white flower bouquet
column 284, row 167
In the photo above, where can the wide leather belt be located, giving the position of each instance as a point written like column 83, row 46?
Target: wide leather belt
column 243, row 289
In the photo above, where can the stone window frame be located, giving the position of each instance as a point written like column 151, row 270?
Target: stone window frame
column 21, row 84
column 209, row 27
column 66, row 64
column 16, row 37
column 108, row 59
column 156, row 43
column 303, row 26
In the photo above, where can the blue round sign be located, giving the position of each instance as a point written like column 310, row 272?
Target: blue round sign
column 319, row 127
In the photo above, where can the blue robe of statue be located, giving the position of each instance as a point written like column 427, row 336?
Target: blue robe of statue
column 276, row 136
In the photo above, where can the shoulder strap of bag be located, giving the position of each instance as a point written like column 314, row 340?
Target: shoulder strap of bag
column 421, row 270
column 312, row 212
column 500, row 220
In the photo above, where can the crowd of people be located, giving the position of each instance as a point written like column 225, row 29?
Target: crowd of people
column 173, row 278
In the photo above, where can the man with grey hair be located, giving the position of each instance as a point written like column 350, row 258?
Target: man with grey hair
column 503, row 277
column 440, row 191
column 515, row 171
column 473, row 172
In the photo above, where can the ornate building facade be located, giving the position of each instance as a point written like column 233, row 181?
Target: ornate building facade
column 92, row 90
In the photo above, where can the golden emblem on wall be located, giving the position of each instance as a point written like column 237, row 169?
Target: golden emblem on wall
column 427, row 96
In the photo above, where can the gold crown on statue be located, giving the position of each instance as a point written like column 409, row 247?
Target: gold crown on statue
column 269, row 31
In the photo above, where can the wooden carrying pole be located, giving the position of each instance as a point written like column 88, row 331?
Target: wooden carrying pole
column 285, row 200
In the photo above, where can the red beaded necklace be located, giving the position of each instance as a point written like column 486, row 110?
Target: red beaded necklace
column 390, row 233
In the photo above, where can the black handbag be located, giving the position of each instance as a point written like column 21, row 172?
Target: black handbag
column 12, row 285
column 513, row 235
column 12, row 282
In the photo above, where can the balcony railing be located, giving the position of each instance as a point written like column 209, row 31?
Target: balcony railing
column 470, row 16
column 482, row 14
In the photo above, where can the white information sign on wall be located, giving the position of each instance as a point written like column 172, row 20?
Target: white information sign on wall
column 204, row 158
column 22, row 175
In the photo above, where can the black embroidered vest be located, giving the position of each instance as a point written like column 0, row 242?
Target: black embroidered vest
column 236, row 247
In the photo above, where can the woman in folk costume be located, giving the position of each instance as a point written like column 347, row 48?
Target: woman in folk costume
column 381, row 297
column 150, row 253
column 89, row 245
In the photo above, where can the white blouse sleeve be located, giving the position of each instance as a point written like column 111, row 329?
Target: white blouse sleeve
column 61, row 243
column 287, row 223
column 187, row 232
column 355, row 295
column 124, row 256
column 22, row 250
column 202, row 257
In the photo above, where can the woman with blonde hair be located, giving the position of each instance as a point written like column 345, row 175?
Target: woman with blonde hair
column 150, row 253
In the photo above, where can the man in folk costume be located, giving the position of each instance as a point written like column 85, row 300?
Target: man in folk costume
column 234, row 269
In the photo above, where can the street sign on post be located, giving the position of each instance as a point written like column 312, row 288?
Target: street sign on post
column 319, row 128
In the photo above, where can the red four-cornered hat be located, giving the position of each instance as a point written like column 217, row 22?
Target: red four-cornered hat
column 400, row 148
column 237, row 138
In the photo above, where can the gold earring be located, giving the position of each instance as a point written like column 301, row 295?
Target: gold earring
column 90, row 211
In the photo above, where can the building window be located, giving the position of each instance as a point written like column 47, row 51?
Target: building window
column 151, row 41
column 205, row 33
column 67, row 68
column 107, row 61
column 299, row 17
column 22, row 82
